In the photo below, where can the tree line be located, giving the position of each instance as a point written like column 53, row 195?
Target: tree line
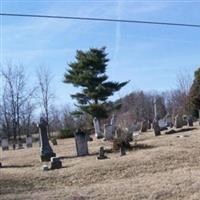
column 22, row 103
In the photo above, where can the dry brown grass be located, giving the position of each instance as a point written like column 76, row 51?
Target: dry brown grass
column 165, row 167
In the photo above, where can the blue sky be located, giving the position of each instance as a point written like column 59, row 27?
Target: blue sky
column 150, row 56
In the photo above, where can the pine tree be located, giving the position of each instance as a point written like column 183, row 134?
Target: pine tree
column 195, row 92
column 88, row 72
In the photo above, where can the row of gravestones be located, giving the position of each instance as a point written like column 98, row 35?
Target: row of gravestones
column 5, row 143
column 109, row 129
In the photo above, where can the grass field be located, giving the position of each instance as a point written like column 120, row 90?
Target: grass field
column 164, row 167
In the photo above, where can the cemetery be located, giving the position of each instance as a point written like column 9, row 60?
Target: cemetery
column 99, row 100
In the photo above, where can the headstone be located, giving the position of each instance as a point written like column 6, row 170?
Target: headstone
column 113, row 123
column 56, row 163
column 144, row 126
column 101, row 155
column 162, row 123
column 81, row 140
column 169, row 120
column 98, row 133
column 178, row 121
column 20, row 144
column 184, row 120
column 29, row 142
column 122, row 149
column 4, row 144
column 156, row 127
column 46, row 151
column 190, row 120
column 108, row 134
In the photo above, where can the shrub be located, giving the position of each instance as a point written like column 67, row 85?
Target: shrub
column 66, row 133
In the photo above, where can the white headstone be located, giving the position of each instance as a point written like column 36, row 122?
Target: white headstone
column 108, row 134
column 113, row 123
column 4, row 144
column 162, row 123
column 98, row 133
column 29, row 142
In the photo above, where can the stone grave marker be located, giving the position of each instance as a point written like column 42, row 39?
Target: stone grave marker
column 113, row 123
column 46, row 151
column 29, row 142
column 20, row 144
column 81, row 140
column 178, row 121
column 98, row 133
column 101, row 155
column 122, row 149
column 156, row 127
column 190, row 120
column 56, row 163
column 108, row 132
column 4, row 144
column 144, row 126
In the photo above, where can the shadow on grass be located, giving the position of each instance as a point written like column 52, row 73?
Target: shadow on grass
column 172, row 131
column 141, row 146
column 16, row 166
column 74, row 156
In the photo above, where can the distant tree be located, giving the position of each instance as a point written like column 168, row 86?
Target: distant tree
column 89, row 73
column 46, row 95
column 17, row 99
column 195, row 92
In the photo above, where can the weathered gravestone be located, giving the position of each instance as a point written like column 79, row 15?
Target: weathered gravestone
column 55, row 163
column 184, row 120
column 190, row 120
column 81, row 140
column 4, row 144
column 29, row 141
column 156, row 127
column 108, row 132
column 144, row 126
column 178, row 121
column 113, row 123
column 101, row 155
column 46, row 151
column 20, row 144
column 98, row 133
column 122, row 149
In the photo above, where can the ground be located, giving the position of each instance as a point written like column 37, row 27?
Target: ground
column 164, row 167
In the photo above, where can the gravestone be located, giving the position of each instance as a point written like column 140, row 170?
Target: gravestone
column 4, row 144
column 178, row 121
column 29, row 142
column 81, row 140
column 144, row 126
column 108, row 134
column 46, row 151
column 184, row 120
column 20, row 144
column 122, row 149
column 98, row 133
column 156, row 127
column 113, row 123
column 101, row 155
column 56, row 163
column 169, row 120
column 190, row 120
column 54, row 141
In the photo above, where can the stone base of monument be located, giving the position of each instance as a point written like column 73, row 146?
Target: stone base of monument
column 47, row 157
column 45, row 168
column 55, row 163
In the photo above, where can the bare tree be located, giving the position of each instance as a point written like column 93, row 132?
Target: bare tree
column 15, row 96
column 46, row 95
